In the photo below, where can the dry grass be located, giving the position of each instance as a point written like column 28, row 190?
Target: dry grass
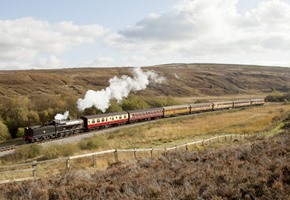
column 259, row 170
column 181, row 130
column 167, row 133
column 182, row 80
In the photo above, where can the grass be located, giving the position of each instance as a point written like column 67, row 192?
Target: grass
column 257, row 170
column 179, row 130
column 161, row 133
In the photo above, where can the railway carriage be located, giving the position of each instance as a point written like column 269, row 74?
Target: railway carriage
column 223, row 105
column 242, row 103
column 105, row 120
column 176, row 110
column 201, row 107
column 257, row 102
column 146, row 114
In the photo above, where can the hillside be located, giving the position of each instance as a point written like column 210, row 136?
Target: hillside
column 32, row 97
column 182, row 80
column 258, row 170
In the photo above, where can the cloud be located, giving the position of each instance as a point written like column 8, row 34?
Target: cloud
column 191, row 31
column 26, row 39
column 102, row 61
column 50, row 62
column 194, row 28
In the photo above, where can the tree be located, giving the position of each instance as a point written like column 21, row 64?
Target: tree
column 4, row 134
column 134, row 103
column 18, row 113
column 114, row 107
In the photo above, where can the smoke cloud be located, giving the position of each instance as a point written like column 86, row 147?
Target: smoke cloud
column 62, row 116
column 118, row 89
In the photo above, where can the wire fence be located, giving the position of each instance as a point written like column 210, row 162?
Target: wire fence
column 100, row 160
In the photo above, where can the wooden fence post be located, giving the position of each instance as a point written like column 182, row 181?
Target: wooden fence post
column 135, row 153
column 94, row 160
column 116, row 156
column 186, row 147
column 34, row 166
column 151, row 152
column 68, row 164
column 175, row 148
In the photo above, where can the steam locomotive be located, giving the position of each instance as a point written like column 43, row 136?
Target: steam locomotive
column 56, row 128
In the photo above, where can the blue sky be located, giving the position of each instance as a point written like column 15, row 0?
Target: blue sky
column 95, row 33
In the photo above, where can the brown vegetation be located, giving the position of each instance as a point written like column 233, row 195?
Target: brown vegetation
column 35, row 96
column 259, row 170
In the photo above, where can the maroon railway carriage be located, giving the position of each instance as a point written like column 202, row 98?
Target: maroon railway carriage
column 146, row 114
column 105, row 120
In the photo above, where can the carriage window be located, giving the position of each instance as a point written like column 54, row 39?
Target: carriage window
column 98, row 120
column 93, row 121
column 103, row 119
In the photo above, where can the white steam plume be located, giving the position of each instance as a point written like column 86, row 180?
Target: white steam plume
column 62, row 116
column 119, row 88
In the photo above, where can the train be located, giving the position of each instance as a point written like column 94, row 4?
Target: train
column 58, row 129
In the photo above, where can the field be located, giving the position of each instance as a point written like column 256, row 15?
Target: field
column 166, row 132
column 170, row 132
column 255, row 170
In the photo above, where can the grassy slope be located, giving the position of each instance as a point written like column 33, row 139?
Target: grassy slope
column 169, row 132
column 200, row 81
column 258, row 170
column 183, row 80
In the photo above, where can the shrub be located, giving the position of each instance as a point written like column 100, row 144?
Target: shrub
column 28, row 151
column 4, row 134
column 278, row 98
column 133, row 103
column 201, row 101
column 89, row 144
column 20, row 132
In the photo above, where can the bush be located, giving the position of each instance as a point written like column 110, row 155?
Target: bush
column 201, row 101
column 20, row 133
column 134, row 103
column 278, row 98
column 161, row 101
column 89, row 144
column 27, row 152
column 4, row 134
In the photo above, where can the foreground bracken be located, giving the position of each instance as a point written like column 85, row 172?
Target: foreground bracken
column 258, row 170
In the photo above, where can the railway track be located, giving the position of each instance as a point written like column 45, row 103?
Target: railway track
column 7, row 148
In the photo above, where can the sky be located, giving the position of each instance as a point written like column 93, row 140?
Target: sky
column 97, row 33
